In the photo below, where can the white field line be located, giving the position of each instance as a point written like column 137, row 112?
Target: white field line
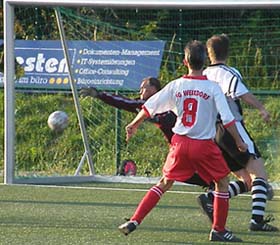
column 114, row 189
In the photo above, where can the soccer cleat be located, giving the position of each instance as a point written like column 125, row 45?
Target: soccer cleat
column 223, row 236
column 206, row 206
column 263, row 226
column 128, row 227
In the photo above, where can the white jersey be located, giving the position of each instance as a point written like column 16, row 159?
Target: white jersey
column 231, row 82
column 196, row 101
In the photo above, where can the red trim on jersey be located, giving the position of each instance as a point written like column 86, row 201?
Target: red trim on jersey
column 230, row 123
column 146, row 111
column 196, row 77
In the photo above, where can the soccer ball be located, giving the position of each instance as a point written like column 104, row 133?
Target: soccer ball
column 58, row 121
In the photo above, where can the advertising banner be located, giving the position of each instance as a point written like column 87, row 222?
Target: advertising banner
column 106, row 65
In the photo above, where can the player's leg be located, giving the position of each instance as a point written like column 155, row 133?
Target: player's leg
column 205, row 200
column 211, row 166
column 257, row 169
column 175, row 159
column 255, row 166
column 221, row 205
column 244, row 176
column 242, row 185
column 259, row 196
column 148, row 202
column 235, row 187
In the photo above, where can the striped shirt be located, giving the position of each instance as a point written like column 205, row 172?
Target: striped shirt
column 231, row 83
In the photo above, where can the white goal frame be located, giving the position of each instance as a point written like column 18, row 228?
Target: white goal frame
column 9, row 69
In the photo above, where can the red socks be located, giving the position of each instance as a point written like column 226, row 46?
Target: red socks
column 148, row 202
column 221, row 205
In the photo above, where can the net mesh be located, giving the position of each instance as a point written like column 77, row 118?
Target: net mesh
column 255, row 47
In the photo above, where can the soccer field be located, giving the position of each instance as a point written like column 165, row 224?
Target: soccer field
column 90, row 214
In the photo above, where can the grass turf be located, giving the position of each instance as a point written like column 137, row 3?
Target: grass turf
column 91, row 214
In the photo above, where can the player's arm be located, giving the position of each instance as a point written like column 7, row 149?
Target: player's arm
column 239, row 90
column 157, row 103
column 131, row 128
column 250, row 99
column 228, row 119
column 231, row 128
column 120, row 102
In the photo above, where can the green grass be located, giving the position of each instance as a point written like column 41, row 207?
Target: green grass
column 90, row 214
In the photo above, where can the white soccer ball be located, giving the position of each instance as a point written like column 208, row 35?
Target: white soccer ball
column 58, row 121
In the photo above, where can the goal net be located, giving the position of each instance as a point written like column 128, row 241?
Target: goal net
column 112, row 48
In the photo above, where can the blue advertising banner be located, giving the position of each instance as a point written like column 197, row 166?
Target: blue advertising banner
column 107, row 65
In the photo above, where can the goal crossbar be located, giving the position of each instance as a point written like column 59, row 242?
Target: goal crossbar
column 151, row 4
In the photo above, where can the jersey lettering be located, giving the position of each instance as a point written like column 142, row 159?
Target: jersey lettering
column 190, row 110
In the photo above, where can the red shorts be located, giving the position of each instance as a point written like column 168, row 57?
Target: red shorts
column 188, row 156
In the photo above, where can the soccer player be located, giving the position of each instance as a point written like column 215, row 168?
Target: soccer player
column 248, row 165
column 165, row 121
column 197, row 102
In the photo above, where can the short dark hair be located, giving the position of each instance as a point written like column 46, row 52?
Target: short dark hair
column 195, row 54
column 153, row 82
column 218, row 47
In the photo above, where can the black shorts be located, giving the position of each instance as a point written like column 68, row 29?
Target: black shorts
column 235, row 159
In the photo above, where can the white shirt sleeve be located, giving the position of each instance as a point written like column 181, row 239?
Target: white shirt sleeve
column 162, row 101
column 236, row 87
column 222, row 106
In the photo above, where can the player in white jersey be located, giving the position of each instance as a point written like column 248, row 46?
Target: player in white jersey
column 196, row 101
column 248, row 165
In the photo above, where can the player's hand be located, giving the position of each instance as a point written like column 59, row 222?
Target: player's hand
column 265, row 115
column 130, row 131
column 92, row 92
column 242, row 146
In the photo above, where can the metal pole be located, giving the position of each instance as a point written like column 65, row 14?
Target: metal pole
column 74, row 91
column 118, row 138
column 9, row 90
column 173, row 4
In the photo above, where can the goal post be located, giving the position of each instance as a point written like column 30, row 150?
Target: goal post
column 87, row 153
column 171, row 56
column 9, row 71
